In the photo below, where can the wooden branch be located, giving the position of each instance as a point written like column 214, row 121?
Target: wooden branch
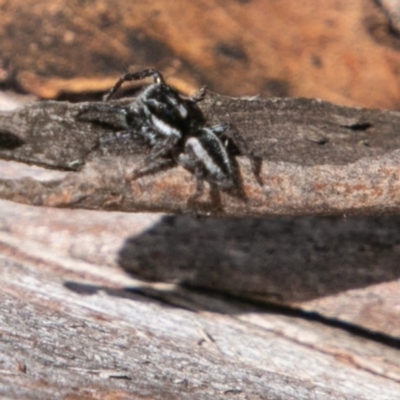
column 317, row 159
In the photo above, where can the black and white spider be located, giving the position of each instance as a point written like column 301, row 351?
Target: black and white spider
column 173, row 126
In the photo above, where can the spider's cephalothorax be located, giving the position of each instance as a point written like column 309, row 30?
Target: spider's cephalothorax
column 173, row 126
column 160, row 115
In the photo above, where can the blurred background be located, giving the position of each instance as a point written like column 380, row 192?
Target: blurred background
column 346, row 52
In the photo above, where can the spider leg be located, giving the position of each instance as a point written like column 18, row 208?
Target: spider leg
column 134, row 76
column 215, row 193
column 122, row 135
column 219, row 129
column 240, row 143
column 158, row 151
column 199, row 184
column 162, row 149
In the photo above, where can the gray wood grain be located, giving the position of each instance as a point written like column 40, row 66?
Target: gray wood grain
column 73, row 325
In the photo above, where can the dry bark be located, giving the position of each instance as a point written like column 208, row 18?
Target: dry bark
column 318, row 159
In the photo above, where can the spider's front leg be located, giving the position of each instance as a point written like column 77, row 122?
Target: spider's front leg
column 158, row 151
column 163, row 149
column 134, row 76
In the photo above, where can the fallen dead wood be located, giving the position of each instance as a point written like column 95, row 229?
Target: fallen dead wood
column 318, row 159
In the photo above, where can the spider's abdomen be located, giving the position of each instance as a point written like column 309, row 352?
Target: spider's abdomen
column 206, row 153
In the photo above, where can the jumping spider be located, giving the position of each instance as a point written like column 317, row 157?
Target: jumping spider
column 173, row 126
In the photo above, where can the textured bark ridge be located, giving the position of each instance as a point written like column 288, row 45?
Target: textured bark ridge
column 318, row 158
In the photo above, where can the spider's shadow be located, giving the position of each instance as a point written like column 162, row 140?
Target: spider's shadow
column 292, row 260
column 284, row 259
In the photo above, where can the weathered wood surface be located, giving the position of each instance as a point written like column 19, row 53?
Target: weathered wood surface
column 318, row 159
column 74, row 326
